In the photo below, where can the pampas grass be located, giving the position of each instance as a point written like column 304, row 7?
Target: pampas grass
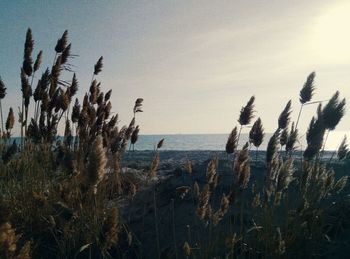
column 2, row 96
column 343, row 149
column 283, row 119
column 306, row 93
column 246, row 114
column 232, row 141
column 10, row 122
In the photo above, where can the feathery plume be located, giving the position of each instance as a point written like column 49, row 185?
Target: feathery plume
column 284, row 136
column 272, row 147
column 108, row 95
column 54, row 76
column 293, row 136
column 307, row 91
column 44, row 81
column 26, row 88
column 110, row 228
column 135, row 135
column 160, row 143
column 246, row 113
column 188, row 166
column 2, row 96
column 211, row 170
column 138, row 105
column 154, row 166
column 187, row 249
column 2, row 89
column 333, row 112
column 232, row 141
column 196, row 190
column 73, row 89
column 100, row 99
column 68, row 137
column 94, row 92
column 242, row 167
column 340, row 184
column 314, row 135
column 224, row 207
column 343, row 149
column 96, row 163
column 203, row 202
column 98, row 66
column 284, row 178
column 66, row 54
column 28, row 49
column 10, row 120
column 62, row 42
column 37, row 62
column 256, row 134
column 284, row 117
column 8, row 240
column 117, row 177
column 107, row 110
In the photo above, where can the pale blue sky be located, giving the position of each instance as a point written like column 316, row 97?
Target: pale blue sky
column 194, row 62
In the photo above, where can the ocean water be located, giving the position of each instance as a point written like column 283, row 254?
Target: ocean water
column 215, row 141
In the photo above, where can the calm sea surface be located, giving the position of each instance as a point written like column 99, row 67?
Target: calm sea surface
column 213, row 141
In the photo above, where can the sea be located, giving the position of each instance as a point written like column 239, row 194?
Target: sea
column 217, row 142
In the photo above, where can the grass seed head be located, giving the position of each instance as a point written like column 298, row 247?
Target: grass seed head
column 2, row 89
column 343, row 149
column 62, row 42
column 333, row 112
column 307, row 91
column 256, row 134
column 246, row 113
column 98, row 66
column 232, row 141
column 284, row 117
column 28, row 49
column 38, row 60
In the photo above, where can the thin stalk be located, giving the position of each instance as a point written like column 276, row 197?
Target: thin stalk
column 2, row 121
column 92, row 78
column 241, row 214
column 54, row 59
column 324, row 145
column 301, row 108
column 333, row 154
column 330, row 160
column 35, row 108
column 174, row 233
column 156, row 220
column 22, row 123
column 189, row 234
column 239, row 134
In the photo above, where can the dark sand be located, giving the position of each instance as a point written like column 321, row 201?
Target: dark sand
column 139, row 212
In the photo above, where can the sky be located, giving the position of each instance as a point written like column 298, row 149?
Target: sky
column 195, row 63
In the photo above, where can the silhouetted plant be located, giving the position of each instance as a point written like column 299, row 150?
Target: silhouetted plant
column 2, row 96
column 306, row 93
column 232, row 141
column 343, row 149
column 284, row 118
